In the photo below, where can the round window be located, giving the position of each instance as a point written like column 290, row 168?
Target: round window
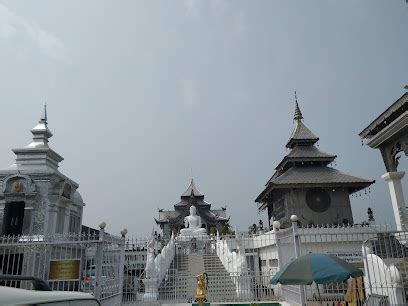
column 318, row 199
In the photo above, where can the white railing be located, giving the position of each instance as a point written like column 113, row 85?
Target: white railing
column 156, row 268
column 89, row 262
column 383, row 260
column 235, row 263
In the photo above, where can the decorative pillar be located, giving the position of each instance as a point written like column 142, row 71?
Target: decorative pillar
column 52, row 219
column 28, row 219
column 67, row 216
column 122, row 261
column 276, row 227
column 99, row 262
column 397, row 197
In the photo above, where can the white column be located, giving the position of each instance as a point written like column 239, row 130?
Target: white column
column 67, row 215
column 52, row 219
column 397, row 196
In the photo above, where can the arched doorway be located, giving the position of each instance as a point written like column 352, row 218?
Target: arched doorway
column 13, row 218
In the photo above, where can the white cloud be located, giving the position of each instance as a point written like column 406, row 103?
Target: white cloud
column 191, row 7
column 218, row 7
column 239, row 22
column 13, row 26
column 190, row 92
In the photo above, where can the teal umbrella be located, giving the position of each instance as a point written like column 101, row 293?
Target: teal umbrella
column 316, row 267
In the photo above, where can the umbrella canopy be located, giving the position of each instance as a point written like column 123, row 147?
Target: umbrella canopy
column 316, row 267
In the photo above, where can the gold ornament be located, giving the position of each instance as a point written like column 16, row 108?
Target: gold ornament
column 17, row 187
column 201, row 287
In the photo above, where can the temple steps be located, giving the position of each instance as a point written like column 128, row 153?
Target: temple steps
column 180, row 282
column 195, row 264
column 220, row 285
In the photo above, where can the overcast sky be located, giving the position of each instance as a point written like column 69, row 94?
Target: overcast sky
column 141, row 92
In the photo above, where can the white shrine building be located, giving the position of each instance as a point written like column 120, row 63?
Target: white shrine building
column 35, row 197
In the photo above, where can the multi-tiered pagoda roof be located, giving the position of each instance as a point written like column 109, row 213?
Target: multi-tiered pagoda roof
column 192, row 196
column 306, row 166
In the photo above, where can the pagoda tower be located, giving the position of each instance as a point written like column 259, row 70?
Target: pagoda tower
column 35, row 197
column 170, row 220
column 304, row 183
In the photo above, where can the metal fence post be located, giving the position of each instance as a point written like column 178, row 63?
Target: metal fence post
column 276, row 226
column 99, row 262
column 296, row 242
column 122, row 261
column 366, row 267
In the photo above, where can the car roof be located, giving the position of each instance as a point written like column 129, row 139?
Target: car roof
column 14, row 296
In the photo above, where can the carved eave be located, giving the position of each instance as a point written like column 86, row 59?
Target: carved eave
column 63, row 201
column 161, row 221
column 50, row 152
column 287, row 162
column 20, row 196
column 392, row 140
column 383, row 120
column 394, row 130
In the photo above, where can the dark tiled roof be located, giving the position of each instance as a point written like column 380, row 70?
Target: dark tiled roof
column 308, row 152
column 317, row 175
column 311, row 176
column 198, row 202
column 192, row 189
column 301, row 133
column 205, row 213
column 305, row 154
column 298, row 113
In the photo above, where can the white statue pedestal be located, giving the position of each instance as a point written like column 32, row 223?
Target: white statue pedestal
column 197, row 238
column 151, row 289
column 397, row 197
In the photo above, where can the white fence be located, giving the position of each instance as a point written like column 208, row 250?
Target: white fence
column 229, row 278
column 380, row 251
column 238, row 268
column 80, row 262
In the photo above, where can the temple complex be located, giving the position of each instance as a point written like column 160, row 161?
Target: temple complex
column 304, row 183
column 35, row 197
column 192, row 203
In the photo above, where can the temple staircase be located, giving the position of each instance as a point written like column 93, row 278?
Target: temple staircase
column 220, row 284
column 180, row 282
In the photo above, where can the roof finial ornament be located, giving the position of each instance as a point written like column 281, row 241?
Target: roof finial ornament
column 192, row 184
column 298, row 114
column 43, row 118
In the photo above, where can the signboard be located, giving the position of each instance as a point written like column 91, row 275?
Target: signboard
column 64, row 269
column 355, row 258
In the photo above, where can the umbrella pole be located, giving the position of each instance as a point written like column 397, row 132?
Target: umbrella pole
column 318, row 293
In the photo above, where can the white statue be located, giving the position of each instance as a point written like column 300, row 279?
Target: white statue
column 382, row 279
column 150, row 262
column 192, row 225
